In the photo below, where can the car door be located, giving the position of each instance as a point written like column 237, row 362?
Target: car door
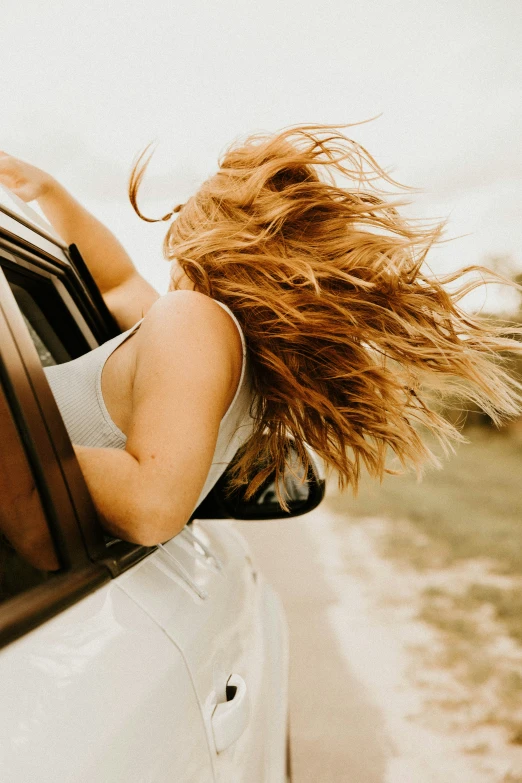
column 230, row 628
column 201, row 588
column 91, row 687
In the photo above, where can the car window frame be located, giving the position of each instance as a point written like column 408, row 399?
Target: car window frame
column 79, row 293
column 30, row 608
column 32, row 248
column 69, row 508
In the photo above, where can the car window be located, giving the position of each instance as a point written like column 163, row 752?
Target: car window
column 54, row 322
column 27, row 553
column 58, row 315
column 48, row 345
column 44, row 353
column 52, row 552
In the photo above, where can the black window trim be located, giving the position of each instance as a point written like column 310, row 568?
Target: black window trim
column 95, row 316
column 99, row 308
column 33, row 273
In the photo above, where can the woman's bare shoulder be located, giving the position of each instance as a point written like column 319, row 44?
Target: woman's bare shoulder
column 188, row 321
column 181, row 311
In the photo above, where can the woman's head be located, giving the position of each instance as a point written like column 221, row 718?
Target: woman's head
column 346, row 332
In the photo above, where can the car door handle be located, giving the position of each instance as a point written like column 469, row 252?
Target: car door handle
column 230, row 718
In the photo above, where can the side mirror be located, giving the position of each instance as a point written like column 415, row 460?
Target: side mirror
column 301, row 497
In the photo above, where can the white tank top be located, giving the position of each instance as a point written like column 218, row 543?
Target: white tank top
column 76, row 386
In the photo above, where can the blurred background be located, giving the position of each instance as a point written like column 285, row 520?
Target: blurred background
column 405, row 605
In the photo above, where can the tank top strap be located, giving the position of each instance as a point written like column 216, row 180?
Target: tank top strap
column 244, row 375
column 105, row 349
column 240, row 330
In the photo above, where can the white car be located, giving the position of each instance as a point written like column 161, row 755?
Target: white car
column 128, row 664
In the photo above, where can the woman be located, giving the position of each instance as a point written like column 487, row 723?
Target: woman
column 296, row 307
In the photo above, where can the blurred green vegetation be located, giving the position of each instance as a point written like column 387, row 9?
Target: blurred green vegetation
column 471, row 508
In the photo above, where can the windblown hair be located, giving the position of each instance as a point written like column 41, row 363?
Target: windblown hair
column 346, row 331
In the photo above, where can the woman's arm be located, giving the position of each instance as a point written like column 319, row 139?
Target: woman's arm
column 106, row 258
column 117, row 489
column 188, row 364
column 127, row 294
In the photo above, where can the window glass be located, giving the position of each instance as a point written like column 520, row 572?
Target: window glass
column 43, row 352
column 49, row 346
column 27, row 553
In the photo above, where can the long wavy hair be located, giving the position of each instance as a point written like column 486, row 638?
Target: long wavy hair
column 347, row 332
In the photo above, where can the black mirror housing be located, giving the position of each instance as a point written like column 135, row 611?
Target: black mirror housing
column 301, row 497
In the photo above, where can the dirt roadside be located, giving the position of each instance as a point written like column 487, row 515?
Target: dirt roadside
column 358, row 715
column 337, row 729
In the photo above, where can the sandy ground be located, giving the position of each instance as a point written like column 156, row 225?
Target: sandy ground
column 359, row 698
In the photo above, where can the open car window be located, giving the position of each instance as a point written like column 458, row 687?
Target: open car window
column 49, row 532
column 53, row 320
column 47, row 343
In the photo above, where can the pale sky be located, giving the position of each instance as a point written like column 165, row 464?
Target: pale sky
column 84, row 86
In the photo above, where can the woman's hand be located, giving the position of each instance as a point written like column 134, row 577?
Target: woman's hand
column 108, row 262
column 129, row 294
column 26, row 181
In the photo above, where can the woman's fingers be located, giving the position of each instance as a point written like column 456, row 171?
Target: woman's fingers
column 4, row 157
column 27, row 181
column 7, row 167
column 7, row 173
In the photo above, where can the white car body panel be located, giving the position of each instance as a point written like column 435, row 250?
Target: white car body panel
column 122, row 685
column 99, row 694
column 237, row 629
